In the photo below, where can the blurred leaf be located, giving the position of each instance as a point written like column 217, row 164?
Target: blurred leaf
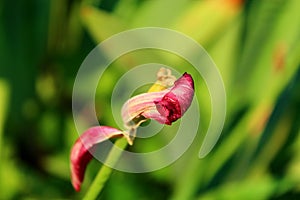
column 100, row 24
column 158, row 13
column 280, row 42
column 58, row 166
column 11, row 174
column 205, row 20
column 262, row 188
column 4, row 96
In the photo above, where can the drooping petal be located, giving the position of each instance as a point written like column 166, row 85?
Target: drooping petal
column 166, row 106
column 80, row 155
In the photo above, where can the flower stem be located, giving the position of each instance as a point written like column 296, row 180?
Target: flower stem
column 105, row 171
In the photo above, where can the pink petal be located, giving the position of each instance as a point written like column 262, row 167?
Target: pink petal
column 166, row 106
column 140, row 104
column 80, row 155
column 176, row 102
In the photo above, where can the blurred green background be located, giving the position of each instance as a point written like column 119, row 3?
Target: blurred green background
column 255, row 44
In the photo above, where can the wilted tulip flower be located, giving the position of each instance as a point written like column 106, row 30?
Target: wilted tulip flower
column 165, row 106
column 166, row 101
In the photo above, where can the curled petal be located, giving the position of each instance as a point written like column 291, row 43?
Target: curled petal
column 165, row 107
column 176, row 102
column 137, row 105
column 80, row 155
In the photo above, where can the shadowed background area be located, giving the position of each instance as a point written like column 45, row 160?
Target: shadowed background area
column 254, row 43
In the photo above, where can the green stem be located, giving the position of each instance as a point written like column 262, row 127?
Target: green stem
column 105, row 171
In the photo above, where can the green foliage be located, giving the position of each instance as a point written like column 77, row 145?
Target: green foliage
column 255, row 45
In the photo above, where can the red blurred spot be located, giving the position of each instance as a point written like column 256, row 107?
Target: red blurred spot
column 279, row 56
